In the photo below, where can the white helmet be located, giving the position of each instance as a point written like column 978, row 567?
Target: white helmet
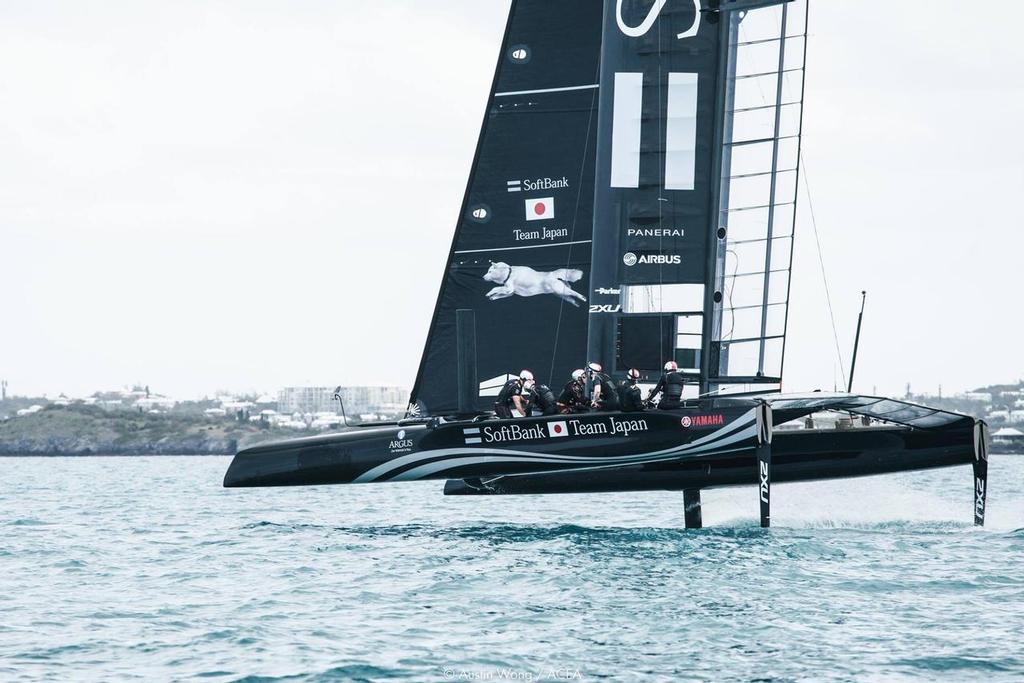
column 578, row 374
column 526, row 376
column 671, row 366
column 594, row 367
column 633, row 374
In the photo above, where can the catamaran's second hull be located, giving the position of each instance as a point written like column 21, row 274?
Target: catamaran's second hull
column 804, row 455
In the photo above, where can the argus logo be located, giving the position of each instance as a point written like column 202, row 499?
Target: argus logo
column 400, row 443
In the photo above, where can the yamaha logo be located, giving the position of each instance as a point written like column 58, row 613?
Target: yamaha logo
column 702, row 421
column 629, row 258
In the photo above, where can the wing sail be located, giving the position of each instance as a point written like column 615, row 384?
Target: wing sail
column 520, row 258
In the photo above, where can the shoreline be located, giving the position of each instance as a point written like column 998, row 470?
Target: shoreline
column 116, row 455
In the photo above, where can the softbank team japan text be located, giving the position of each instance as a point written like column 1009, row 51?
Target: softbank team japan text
column 572, row 427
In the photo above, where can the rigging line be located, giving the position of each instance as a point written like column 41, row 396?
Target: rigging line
column 572, row 232
column 661, row 221
column 729, row 291
column 824, row 276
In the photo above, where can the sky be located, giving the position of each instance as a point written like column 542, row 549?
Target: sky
column 211, row 195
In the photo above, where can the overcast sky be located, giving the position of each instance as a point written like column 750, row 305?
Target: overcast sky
column 199, row 195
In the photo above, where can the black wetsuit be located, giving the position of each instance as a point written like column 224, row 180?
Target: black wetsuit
column 671, row 388
column 504, row 405
column 542, row 398
column 629, row 395
column 609, row 396
column 571, row 399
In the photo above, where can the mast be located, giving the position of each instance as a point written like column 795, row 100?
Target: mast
column 856, row 341
column 748, row 298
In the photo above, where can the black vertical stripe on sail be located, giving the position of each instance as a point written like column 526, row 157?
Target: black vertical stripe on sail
column 655, row 174
column 520, row 258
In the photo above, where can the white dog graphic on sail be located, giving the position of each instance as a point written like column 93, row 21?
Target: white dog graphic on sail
column 525, row 281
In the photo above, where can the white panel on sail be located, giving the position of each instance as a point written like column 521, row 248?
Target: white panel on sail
column 681, row 131
column 667, row 298
column 627, row 111
column 492, row 387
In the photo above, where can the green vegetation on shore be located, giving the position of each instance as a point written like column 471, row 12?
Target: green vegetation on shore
column 90, row 430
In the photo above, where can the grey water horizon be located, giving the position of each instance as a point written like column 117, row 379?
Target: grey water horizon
column 117, row 568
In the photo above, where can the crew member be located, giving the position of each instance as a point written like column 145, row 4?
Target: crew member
column 629, row 392
column 511, row 399
column 572, row 399
column 543, row 399
column 670, row 386
column 604, row 396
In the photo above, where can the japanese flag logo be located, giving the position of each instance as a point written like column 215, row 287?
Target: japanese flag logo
column 558, row 428
column 542, row 209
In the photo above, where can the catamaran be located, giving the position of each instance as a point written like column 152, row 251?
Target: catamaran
column 632, row 200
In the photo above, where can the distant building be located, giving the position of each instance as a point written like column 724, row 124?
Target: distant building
column 979, row 396
column 381, row 400
column 358, row 400
column 1008, row 440
column 156, row 403
column 306, row 400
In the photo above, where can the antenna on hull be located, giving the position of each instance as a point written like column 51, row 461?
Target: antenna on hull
column 856, row 341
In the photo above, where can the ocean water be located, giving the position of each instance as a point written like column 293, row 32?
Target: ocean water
column 146, row 569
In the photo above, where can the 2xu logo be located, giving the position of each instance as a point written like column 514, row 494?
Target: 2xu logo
column 605, row 308
column 979, row 497
column 652, row 16
column 764, row 481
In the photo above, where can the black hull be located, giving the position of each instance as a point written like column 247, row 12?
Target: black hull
column 806, row 455
column 710, row 444
column 466, row 449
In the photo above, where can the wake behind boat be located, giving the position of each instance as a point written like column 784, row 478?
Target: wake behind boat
column 632, row 200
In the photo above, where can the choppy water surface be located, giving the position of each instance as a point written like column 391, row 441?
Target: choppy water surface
column 145, row 568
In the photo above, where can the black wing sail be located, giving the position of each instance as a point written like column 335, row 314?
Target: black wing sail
column 655, row 181
column 698, row 150
column 520, row 258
